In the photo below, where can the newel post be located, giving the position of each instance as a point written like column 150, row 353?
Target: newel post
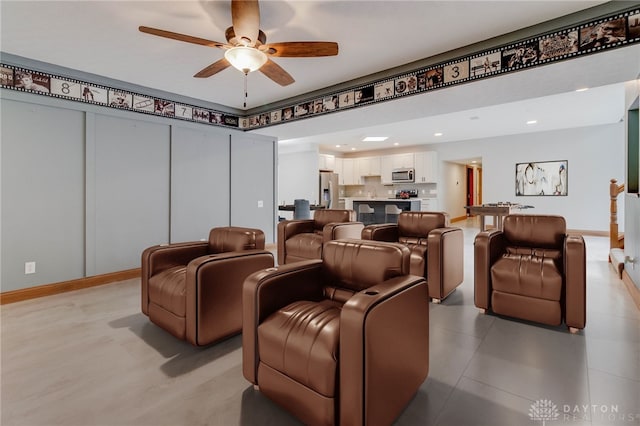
column 614, row 190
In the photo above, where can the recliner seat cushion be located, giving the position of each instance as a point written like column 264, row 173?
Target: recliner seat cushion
column 305, row 245
column 301, row 342
column 528, row 272
column 167, row 290
column 417, row 263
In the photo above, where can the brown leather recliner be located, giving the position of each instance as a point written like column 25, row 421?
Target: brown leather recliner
column 342, row 340
column 437, row 249
column 532, row 270
column 303, row 239
column 193, row 290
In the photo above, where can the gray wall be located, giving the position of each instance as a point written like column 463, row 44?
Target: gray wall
column 200, row 176
column 131, row 191
column 253, row 187
column 297, row 174
column 42, row 218
column 85, row 189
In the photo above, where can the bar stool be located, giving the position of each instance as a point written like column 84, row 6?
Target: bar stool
column 391, row 210
column 365, row 209
column 301, row 209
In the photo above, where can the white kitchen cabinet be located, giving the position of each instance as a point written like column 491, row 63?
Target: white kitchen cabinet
column 349, row 176
column 375, row 166
column 386, row 167
column 326, row 162
column 403, row 161
column 339, row 169
column 429, row 204
column 367, row 166
column 426, row 166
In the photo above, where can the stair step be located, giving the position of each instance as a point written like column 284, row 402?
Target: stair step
column 616, row 256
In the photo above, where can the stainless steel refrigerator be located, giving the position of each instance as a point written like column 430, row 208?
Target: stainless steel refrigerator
column 328, row 193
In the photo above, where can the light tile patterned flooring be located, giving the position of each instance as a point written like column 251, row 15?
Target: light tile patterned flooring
column 90, row 357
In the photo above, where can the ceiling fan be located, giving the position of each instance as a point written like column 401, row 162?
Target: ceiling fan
column 247, row 48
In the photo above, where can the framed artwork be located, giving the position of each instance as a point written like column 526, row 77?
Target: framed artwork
column 542, row 178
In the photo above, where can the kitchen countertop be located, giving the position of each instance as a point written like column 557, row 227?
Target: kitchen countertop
column 387, row 198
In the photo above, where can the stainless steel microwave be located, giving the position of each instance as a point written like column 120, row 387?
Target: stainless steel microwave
column 402, row 175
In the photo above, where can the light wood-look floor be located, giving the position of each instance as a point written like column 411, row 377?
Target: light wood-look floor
column 90, row 357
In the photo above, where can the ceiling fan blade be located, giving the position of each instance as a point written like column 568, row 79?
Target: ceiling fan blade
column 245, row 15
column 214, row 68
column 276, row 73
column 301, row 48
column 181, row 37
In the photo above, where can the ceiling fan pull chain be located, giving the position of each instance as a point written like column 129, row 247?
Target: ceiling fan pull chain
column 245, row 89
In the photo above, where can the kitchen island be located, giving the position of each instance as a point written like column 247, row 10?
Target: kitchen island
column 379, row 205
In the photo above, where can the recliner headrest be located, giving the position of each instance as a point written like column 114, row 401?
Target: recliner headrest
column 542, row 231
column 232, row 238
column 359, row 264
column 419, row 224
column 323, row 216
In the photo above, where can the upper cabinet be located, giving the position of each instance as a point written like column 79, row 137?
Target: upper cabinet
column 426, row 166
column 352, row 171
column 346, row 170
column 349, row 175
column 326, row 162
column 338, row 168
column 369, row 166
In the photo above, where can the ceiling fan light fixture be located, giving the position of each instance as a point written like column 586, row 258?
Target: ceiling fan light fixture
column 245, row 59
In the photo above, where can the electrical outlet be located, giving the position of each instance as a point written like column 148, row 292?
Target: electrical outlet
column 29, row 268
column 260, row 204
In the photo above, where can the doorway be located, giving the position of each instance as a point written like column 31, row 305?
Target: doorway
column 474, row 185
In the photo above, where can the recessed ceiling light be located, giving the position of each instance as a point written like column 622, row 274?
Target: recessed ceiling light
column 474, row 162
column 437, row 134
column 375, row 138
column 582, row 89
column 396, row 143
column 353, row 149
column 532, row 122
column 337, row 146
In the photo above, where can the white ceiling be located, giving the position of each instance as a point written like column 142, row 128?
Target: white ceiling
column 102, row 37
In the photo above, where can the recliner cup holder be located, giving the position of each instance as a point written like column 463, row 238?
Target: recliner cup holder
column 371, row 293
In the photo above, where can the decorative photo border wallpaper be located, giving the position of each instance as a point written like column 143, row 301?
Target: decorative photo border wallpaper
column 614, row 31
column 617, row 30
column 67, row 88
column 542, row 178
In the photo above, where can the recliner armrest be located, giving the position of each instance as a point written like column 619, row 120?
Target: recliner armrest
column 488, row 247
column 265, row 292
column 341, row 230
column 575, row 274
column 381, row 232
column 213, row 286
column 384, row 343
column 445, row 260
column 157, row 258
column 160, row 257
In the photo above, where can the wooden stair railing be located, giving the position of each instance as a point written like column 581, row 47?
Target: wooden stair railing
column 615, row 240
